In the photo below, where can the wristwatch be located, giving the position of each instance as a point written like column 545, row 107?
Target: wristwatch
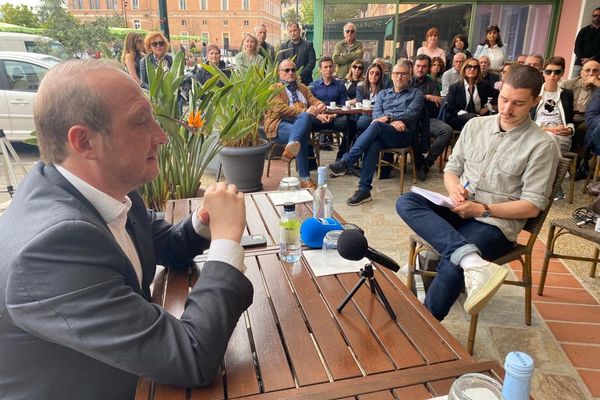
column 486, row 211
column 389, row 118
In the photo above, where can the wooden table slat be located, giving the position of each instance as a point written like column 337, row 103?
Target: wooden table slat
column 274, row 367
column 143, row 390
column 383, row 395
column 440, row 387
column 366, row 347
column 399, row 348
column 416, row 392
column 177, row 288
column 255, row 223
column 301, row 349
column 181, row 210
column 239, row 362
column 269, row 214
column 335, row 351
column 170, row 392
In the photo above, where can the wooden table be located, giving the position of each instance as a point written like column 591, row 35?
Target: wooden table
column 291, row 343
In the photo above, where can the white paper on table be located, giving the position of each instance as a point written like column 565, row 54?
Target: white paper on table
column 440, row 398
column 434, row 197
column 338, row 265
column 293, row 196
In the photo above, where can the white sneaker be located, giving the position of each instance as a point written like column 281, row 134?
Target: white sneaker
column 481, row 284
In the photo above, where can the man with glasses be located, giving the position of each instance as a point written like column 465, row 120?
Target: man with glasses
column 292, row 115
column 347, row 51
column 453, row 74
column 301, row 51
column 587, row 43
column 264, row 48
column 500, row 173
column 395, row 117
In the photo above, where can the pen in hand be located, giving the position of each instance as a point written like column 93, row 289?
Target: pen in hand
column 466, row 187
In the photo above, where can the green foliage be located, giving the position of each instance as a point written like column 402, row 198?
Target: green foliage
column 289, row 16
column 18, row 15
column 249, row 97
column 194, row 136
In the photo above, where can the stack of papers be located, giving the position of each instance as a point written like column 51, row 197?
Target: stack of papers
column 294, row 196
column 434, row 197
column 333, row 265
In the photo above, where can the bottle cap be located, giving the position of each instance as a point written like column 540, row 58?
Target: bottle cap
column 322, row 175
column 289, row 206
column 518, row 363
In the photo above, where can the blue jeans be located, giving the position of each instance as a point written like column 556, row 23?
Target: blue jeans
column 297, row 131
column 377, row 136
column 592, row 140
column 453, row 238
column 363, row 123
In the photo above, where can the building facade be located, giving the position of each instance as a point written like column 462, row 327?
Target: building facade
column 222, row 22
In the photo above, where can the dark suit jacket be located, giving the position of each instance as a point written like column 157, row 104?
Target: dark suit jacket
column 144, row 72
column 305, row 57
column 74, row 321
column 456, row 100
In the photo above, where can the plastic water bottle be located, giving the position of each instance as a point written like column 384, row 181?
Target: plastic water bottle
column 322, row 199
column 289, row 234
column 519, row 368
column 489, row 106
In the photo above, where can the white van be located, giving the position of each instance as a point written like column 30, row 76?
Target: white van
column 12, row 41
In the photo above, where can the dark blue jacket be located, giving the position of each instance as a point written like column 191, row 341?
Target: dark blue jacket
column 335, row 91
column 305, row 57
column 592, row 119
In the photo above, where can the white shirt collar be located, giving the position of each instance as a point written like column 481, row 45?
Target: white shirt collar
column 108, row 207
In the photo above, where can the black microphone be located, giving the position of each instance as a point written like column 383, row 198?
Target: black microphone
column 353, row 245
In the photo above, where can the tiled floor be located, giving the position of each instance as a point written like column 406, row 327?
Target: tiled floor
column 564, row 338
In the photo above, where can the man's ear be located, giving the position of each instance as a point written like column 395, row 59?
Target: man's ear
column 83, row 141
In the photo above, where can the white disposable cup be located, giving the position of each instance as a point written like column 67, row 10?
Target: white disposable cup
column 358, row 105
column 366, row 103
column 332, row 104
column 348, row 103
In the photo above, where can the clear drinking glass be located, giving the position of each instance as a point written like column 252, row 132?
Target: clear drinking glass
column 329, row 251
column 475, row 387
column 289, row 184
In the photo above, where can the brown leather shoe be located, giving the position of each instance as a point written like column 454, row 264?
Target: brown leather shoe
column 291, row 151
column 308, row 184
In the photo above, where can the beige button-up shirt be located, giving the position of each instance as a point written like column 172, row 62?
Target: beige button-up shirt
column 519, row 164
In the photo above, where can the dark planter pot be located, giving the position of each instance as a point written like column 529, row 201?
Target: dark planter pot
column 243, row 166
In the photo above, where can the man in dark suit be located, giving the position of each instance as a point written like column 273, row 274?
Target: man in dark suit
column 300, row 51
column 79, row 252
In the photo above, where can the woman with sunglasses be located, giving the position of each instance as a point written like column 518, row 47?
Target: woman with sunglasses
column 248, row 54
column 460, row 44
column 491, row 45
column 436, row 71
column 157, row 47
column 353, row 78
column 554, row 112
column 470, row 97
column 368, row 89
column 132, row 54
column 431, row 44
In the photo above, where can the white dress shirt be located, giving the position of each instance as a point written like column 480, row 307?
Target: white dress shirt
column 114, row 213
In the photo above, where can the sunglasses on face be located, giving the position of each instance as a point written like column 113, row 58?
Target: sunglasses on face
column 553, row 72
column 158, row 44
column 357, row 67
column 288, row 70
column 471, row 66
column 350, row 31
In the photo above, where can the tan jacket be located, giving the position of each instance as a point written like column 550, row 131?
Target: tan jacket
column 280, row 108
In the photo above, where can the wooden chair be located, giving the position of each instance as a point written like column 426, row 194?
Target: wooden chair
column 314, row 140
column 573, row 157
column 399, row 162
column 568, row 226
column 275, row 145
column 520, row 252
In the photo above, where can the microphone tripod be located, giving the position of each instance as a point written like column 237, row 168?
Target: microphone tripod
column 366, row 273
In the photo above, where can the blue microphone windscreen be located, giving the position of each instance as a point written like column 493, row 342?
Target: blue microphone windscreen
column 313, row 230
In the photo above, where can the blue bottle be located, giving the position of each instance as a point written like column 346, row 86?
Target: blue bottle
column 519, row 368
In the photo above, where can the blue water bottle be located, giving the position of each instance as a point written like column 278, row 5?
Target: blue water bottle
column 519, row 368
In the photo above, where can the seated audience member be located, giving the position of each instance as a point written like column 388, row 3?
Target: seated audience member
column 521, row 59
column 469, row 98
column 385, row 67
column 536, row 61
column 329, row 90
column 354, row 76
column 491, row 45
column 157, row 48
column 439, row 130
column 76, row 321
column 395, row 118
column 592, row 119
column 436, row 71
column 460, row 44
column 584, row 86
column 249, row 53
column 453, row 74
column 505, row 69
column 213, row 57
column 484, row 65
column 431, row 48
column 369, row 89
column 554, row 112
column 492, row 198
column 290, row 119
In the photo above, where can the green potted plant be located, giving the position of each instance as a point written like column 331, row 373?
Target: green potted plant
column 194, row 139
column 243, row 153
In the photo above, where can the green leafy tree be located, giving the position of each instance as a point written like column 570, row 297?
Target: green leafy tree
column 18, row 15
column 289, row 16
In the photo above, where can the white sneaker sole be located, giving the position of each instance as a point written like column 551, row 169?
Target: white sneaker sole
column 477, row 301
